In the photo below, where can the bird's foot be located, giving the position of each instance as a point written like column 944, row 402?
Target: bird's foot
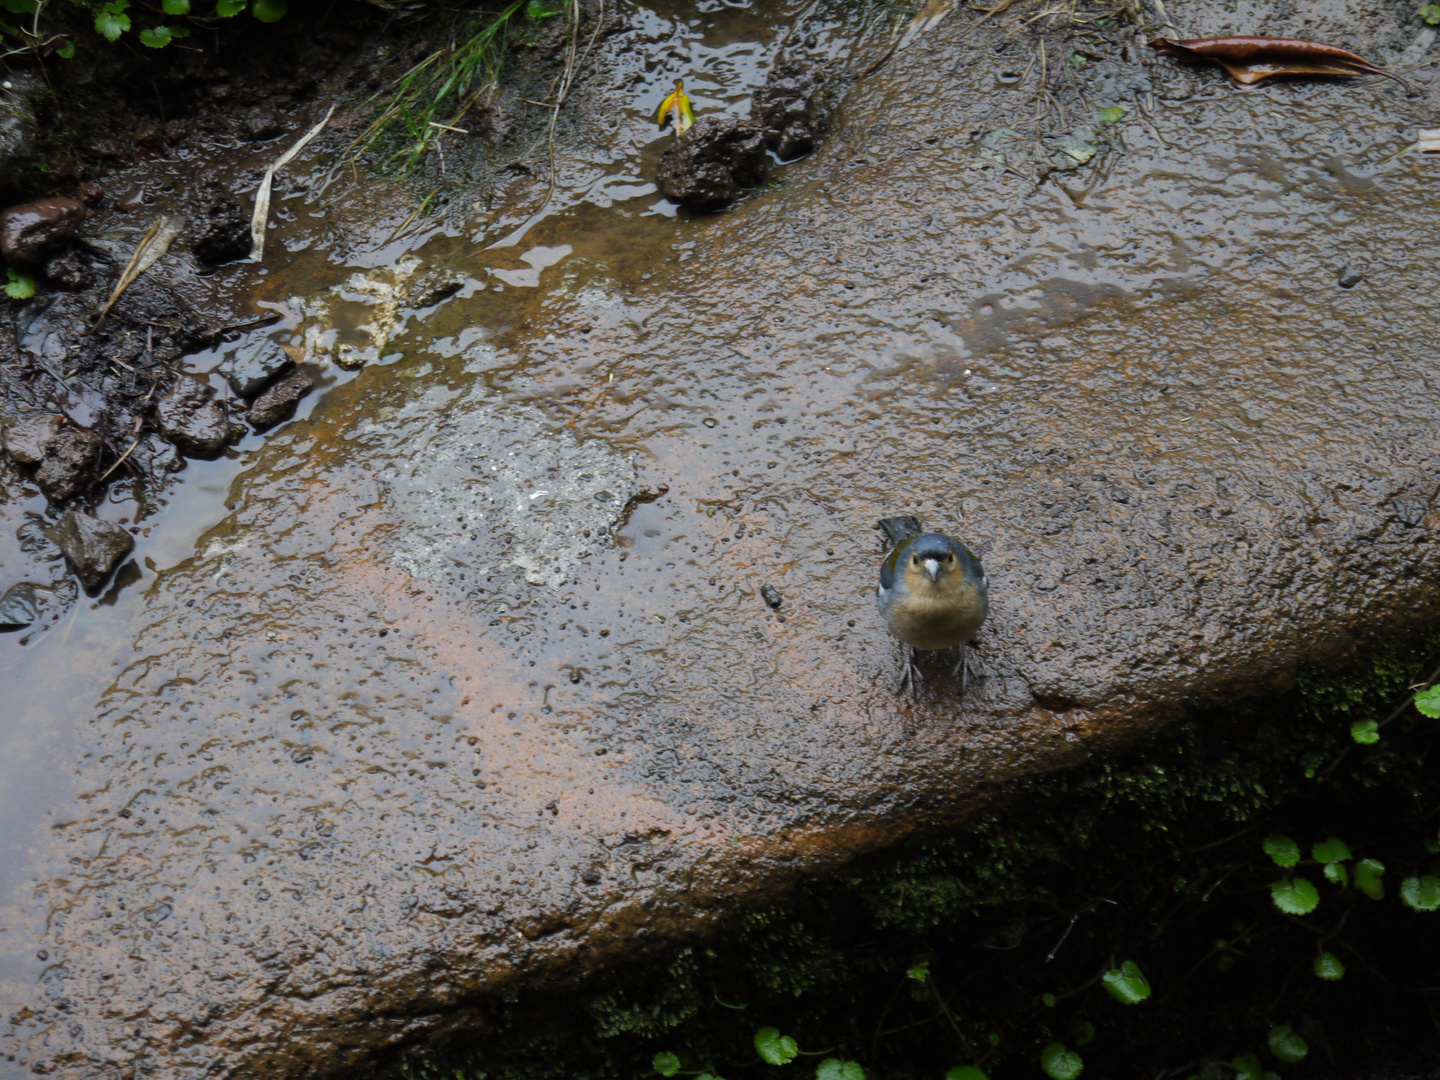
column 911, row 676
column 962, row 668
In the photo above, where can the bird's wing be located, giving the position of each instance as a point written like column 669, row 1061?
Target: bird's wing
column 888, row 568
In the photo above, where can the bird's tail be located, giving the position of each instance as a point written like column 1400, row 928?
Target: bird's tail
column 899, row 529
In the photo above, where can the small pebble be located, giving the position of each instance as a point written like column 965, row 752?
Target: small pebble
column 771, row 595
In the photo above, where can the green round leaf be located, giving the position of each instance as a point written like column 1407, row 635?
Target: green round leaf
column 1295, row 897
column 175, row 7
column 269, row 10
column 1328, row 966
column 1110, row 115
column 965, row 1072
column 666, row 1063
column 1059, row 1063
column 919, row 971
column 21, row 287
column 1336, row 872
column 157, row 37
column 1283, row 850
column 1332, row 850
column 1365, row 732
column 1286, row 1045
column 835, row 1069
column 1126, row 984
column 774, row 1048
column 1247, row 1067
column 1428, row 700
column 111, row 21
column 1084, row 1033
column 1367, row 878
column 66, row 51
column 228, row 8
column 1048, row 1000
column 1421, row 893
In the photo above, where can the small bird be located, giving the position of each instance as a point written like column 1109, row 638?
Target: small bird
column 932, row 593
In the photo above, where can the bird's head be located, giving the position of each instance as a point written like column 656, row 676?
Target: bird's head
column 932, row 555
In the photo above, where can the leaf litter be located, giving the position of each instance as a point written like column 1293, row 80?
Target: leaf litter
column 1250, row 60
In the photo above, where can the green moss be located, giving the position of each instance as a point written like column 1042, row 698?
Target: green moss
column 1152, row 858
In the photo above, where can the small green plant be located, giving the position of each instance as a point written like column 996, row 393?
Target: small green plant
column 774, row 1048
column 1365, row 732
column 919, row 971
column 1430, row 13
column 1329, row 967
column 1286, row 1045
column 539, row 9
column 1059, row 1063
column 1295, row 896
column 1367, row 878
column 1126, row 984
column 666, row 1063
column 1428, row 700
column 835, row 1069
column 1283, row 850
column 1421, row 893
column 965, row 1072
column 21, row 286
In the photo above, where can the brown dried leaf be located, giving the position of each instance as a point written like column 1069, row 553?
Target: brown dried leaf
column 1253, row 59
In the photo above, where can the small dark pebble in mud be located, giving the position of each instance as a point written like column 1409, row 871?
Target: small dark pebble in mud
column 190, row 418
column 31, row 233
column 771, row 595
column 91, row 546
column 69, row 460
column 1349, row 277
column 278, row 402
column 708, row 166
column 433, row 286
column 26, row 440
column 19, row 607
column 256, row 368
column 219, row 230
column 785, row 107
column 68, row 271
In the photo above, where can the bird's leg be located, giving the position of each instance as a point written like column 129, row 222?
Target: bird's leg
column 962, row 667
column 912, row 676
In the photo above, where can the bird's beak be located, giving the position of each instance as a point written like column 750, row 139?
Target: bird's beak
column 932, row 567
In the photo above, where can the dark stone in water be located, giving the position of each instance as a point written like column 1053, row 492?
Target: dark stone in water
column 189, row 417
column 91, row 546
column 219, row 229
column 710, row 164
column 1349, row 277
column 785, row 108
column 68, row 464
column 31, row 233
column 252, row 371
column 26, row 441
column 278, row 402
column 19, row 607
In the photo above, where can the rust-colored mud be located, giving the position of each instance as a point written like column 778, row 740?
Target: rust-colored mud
column 476, row 683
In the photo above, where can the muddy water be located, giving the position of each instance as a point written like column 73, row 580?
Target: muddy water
column 466, row 675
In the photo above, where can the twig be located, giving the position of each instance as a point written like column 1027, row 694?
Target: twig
column 118, row 462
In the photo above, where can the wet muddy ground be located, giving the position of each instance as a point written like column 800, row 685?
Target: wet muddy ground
column 464, row 676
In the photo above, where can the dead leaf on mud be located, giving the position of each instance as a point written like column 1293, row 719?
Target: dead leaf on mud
column 676, row 110
column 1428, row 142
column 1251, row 60
column 154, row 244
column 262, row 197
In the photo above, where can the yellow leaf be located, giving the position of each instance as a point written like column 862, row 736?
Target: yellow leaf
column 676, row 110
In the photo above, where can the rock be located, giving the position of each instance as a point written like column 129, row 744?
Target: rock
column 26, row 440
column 260, row 124
column 219, row 229
column 69, row 463
column 256, row 368
column 190, row 418
column 433, row 286
column 31, row 233
column 19, row 607
column 91, row 546
column 710, row 164
column 68, row 271
column 18, row 94
column 785, row 108
column 1349, row 277
column 278, row 402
